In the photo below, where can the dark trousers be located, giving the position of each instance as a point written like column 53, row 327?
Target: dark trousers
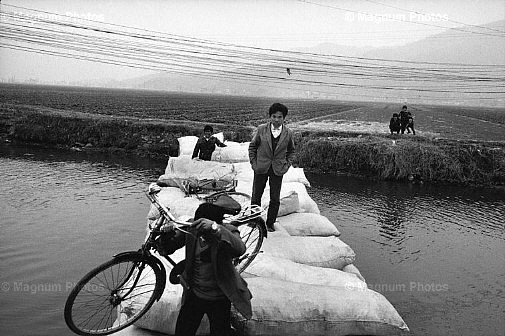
column 259, row 184
column 192, row 312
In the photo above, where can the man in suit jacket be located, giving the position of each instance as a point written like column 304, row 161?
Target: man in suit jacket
column 211, row 282
column 271, row 153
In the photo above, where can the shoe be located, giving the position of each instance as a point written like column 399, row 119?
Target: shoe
column 270, row 229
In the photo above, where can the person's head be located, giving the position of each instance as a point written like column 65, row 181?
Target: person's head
column 210, row 211
column 277, row 113
column 404, row 108
column 395, row 115
column 207, row 131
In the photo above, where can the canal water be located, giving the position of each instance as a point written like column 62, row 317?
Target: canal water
column 437, row 253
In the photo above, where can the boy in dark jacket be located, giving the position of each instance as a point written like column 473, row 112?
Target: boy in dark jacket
column 394, row 124
column 404, row 118
column 206, row 145
column 410, row 125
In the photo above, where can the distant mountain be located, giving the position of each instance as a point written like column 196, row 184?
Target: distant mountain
column 451, row 46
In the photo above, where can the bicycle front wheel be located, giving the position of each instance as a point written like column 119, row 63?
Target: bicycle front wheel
column 114, row 295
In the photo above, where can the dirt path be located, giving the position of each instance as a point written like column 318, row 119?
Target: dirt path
column 328, row 116
column 359, row 125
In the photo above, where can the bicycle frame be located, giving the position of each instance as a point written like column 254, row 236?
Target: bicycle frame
column 145, row 268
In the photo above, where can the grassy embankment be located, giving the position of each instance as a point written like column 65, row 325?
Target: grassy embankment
column 375, row 156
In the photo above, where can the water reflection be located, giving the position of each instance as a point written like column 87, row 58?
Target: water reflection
column 392, row 206
column 446, row 236
column 63, row 213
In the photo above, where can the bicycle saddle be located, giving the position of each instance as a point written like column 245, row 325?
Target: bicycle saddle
column 225, row 203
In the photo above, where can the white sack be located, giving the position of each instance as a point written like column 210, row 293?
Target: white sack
column 289, row 204
column 296, row 175
column 329, row 252
column 284, row 308
column 162, row 316
column 282, row 269
column 186, row 168
column 308, row 224
column 353, row 270
column 233, row 152
column 246, row 173
column 307, row 204
column 219, row 136
column 176, row 200
column 187, row 144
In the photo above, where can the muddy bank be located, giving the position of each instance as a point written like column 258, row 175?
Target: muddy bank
column 418, row 158
column 94, row 132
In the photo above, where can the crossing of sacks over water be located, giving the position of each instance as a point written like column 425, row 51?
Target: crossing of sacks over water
column 304, row 282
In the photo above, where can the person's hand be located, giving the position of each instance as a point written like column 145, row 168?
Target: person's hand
column 205, row 226
column 167, row 227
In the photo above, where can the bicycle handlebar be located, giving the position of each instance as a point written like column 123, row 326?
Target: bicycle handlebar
column 252, row 212
column 151, row 194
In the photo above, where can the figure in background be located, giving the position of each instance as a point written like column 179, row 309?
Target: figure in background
column 410, row 125
column 404, row 118
column 206, row 145
column 394, row 124
column 271, row 153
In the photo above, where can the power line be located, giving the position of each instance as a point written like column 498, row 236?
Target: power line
column 190, row 39
column 187, row 55
column 278, row 67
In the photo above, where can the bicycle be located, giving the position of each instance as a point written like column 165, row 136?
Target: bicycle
column 117, row 293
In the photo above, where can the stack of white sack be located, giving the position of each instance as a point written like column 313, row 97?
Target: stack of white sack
column 293, row 299
column 306, row 203
column 233, row 152
column 286, row 308
column 327, row 252
column 304, row 281
column 187, row 143
column 268, row 266
column 245, row 173
column 184, row 167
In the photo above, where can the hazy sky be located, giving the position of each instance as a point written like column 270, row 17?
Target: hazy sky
column 271, row 24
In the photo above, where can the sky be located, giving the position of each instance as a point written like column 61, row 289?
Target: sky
column 278, row 24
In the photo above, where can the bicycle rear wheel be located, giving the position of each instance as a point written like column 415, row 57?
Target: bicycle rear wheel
column 251, row 232
column 114, row 295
